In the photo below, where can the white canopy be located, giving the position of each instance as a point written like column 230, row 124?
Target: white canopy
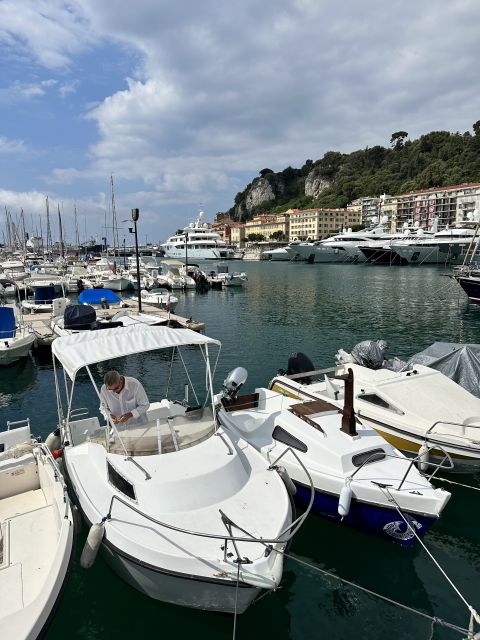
column 81, row 349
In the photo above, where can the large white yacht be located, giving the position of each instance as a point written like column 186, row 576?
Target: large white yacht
column 202, row 243
column 448, row 246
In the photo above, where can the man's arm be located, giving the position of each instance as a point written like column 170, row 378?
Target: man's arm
column 104, row 408
column 142, row 401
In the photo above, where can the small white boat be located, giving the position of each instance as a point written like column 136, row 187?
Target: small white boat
column 159, row 299
column 414, row 410
column 183, row 511
column 16, row 336
column 36, row 534
column 359, row 478
column 43, row 299
column 235, row 279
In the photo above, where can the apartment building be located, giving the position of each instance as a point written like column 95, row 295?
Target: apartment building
column 420, row 208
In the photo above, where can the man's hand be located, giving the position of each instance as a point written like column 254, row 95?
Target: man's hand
column 114, row 419
column 124, row 418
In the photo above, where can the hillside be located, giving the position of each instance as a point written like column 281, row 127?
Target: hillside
column 436, row 159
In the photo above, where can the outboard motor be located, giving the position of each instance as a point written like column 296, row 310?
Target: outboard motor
column 300, row 363
column 232, row 383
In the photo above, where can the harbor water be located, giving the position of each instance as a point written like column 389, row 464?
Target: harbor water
column 316, row 309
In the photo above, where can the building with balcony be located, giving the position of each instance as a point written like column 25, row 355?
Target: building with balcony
column 316, row 224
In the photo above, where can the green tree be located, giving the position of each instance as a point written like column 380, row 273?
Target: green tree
column 277, row 235
column 476, row 128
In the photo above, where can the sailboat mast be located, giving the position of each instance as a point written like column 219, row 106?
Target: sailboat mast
column 60, row 231
column 49, row 231
column 114, row 227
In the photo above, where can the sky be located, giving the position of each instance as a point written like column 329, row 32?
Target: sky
column 185, row 102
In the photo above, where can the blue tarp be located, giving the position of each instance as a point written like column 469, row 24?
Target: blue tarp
column 95, row 296
column 44, row 295
column 7, row 323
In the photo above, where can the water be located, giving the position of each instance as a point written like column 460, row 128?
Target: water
column 316, row 309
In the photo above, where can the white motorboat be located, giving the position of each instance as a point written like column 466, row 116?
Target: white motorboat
column 14, row 269
column 43, row 299
column 172, row 276
column 199, row 242
column 359, row 478
column 224, row 278
column 414, row 410
column 159, row 299
column 36, row 534
column 183, row 511
column 8, row 288
column 16, row 336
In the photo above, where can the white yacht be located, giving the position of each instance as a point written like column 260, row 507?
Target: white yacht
column 342, row 247
column 448, row 246
column 199, row 242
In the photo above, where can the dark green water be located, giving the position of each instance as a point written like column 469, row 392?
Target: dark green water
column 316, row 309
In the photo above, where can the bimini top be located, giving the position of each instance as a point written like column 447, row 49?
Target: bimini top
column 95, row 296
column 81, row 349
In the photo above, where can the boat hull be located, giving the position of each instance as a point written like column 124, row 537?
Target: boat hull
column 17, row 349
column 373, row 519
column 180, row 589
column 471, row 286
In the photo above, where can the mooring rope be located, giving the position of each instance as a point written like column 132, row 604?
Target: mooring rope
column 473, row 612
column 458, row 484
column 426, row 616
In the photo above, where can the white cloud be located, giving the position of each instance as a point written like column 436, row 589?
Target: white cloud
column 8, row 146
column 24, row 91
column 225, row 89
column 53, row 31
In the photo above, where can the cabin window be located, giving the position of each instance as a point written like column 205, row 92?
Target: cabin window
column 372, row 456
column 373, row 398
column 281, row 435
column 120, row 483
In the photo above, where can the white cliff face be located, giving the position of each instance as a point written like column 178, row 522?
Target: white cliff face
column 315, row 184
column 261, row 191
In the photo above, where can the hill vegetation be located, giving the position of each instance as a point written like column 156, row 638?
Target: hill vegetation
column 436, row 159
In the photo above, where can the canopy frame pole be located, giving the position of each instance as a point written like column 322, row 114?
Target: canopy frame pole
column 186, row 372
column 209, row 377
column 58, row 397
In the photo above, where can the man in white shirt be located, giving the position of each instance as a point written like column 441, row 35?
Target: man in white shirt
column 123, row 399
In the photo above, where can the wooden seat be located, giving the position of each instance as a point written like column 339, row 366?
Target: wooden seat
column 306, row 409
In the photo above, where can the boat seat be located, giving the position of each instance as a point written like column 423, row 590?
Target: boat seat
column 81, row 429
column 247, row 401
column 304, row 410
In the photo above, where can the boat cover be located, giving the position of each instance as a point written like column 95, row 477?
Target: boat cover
column 44, row 295
column 81, row 349
column 459, row 362
column 79, row 316
column 370, row 353
column 95, row 296
column 7, row 323
column 5, row 282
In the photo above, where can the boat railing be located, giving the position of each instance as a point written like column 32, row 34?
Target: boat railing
column 24, row 422
column 282, row 538
column 57, row 474
column 454, row 435
column 309, row 374
column 445, row 463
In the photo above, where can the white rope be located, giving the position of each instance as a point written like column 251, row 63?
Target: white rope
column 458, row 484
column 437, row 564
column 433, row 619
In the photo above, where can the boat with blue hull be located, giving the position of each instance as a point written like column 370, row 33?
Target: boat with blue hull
column 372, row 519
column 360, row 479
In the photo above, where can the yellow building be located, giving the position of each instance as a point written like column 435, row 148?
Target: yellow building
column 237, row 234
column 315, row 224
column 267, row 225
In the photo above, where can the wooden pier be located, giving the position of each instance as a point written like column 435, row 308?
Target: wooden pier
column 44, row 335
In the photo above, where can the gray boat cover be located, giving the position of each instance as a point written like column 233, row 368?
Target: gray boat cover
column 459, row 362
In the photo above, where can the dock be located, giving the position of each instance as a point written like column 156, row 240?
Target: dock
column 132, row 306
column 40, row 322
